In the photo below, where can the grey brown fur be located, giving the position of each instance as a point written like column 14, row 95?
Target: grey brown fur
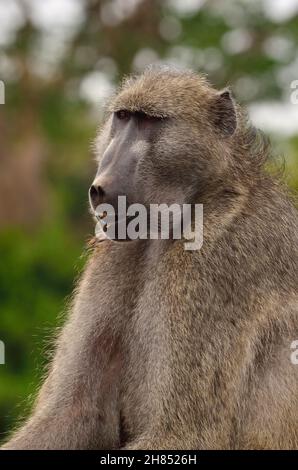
column 172, row 349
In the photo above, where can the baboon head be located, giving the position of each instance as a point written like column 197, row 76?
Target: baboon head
column 167, row 137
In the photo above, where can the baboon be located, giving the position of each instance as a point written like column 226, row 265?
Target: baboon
column 166, row 348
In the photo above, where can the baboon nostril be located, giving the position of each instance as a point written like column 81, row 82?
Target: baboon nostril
column 96, row 194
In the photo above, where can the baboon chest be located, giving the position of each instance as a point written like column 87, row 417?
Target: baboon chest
column 161, row 342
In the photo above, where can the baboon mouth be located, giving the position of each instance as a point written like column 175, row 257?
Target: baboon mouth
column 114, row 228
column 101, row 216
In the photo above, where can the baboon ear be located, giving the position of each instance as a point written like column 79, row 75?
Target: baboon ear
column 223, row 113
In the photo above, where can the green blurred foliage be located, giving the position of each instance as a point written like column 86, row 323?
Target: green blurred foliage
column 36, row 272
column 48, row 120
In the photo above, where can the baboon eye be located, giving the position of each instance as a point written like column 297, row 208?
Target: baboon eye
column 145, row 117
column 123, row 115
